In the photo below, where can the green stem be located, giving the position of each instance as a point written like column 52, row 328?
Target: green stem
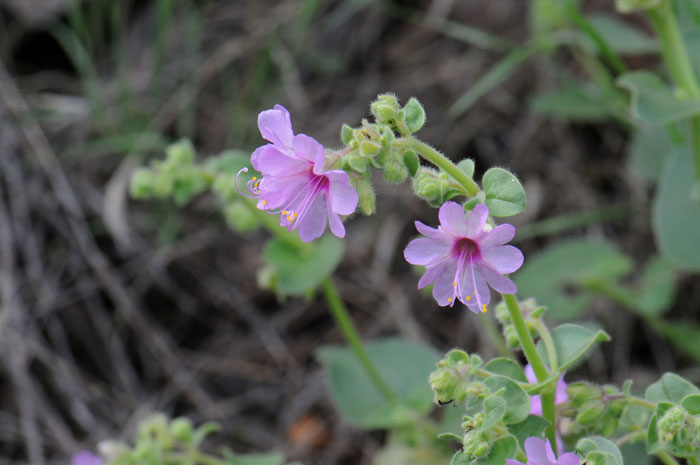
column 537, row 364
column 346, row 325
column 441, row 161
column 666, row 458
column 663, row 18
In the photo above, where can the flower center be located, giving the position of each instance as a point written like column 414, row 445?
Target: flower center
column 465, row 248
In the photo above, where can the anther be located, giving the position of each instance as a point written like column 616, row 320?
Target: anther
column 469, row 298
column 449, row 299
column 264, row 202
column 454, row 284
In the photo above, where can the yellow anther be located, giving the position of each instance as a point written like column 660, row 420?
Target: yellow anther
column 454, row 283
column 284, row 212
column 254, row 178
column 449, row 299
column 485, row 310
column 469, row 298
column 264, row 202
column 295, row 215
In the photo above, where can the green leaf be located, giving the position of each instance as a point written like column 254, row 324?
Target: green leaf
column 599, row 444
column 554, row 277
column 670, row 388
column 657, row 288
column 624, row 38
column 691, row 403
column 467, row 167
column 404, row 365
column 415, row 115
column 635, row 454
column 575, row 101
column 300, row 271
column 506, row 367
column 517, row 400
column 494, row 410
column 410, row 159
column 676, row 215
column 684, row 335
column 532, row 426
column 347, row 134
column 502, row 449
column 505, row 195
column 648, row 149
column 653, row 102
column 653, row 443
column 571, row 343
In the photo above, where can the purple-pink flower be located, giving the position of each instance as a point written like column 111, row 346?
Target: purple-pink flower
column 86, row 458
column 464, row 256
column 539, row 452
column 560, row 395
column 295, row 182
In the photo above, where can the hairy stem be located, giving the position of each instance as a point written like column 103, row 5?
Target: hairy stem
column 342, row 317
column 441, row 161
column 537, row 364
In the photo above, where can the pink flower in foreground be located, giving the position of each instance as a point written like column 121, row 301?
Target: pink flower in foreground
column 560, row 395
column 295, row 183
column 464, row 256
column 86, row 458
column 539, row 452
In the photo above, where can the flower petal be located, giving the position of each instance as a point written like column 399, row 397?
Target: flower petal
column 514, row 462
column 568, row 458
column 530, row 374
column 336, row 225
column 477, row 220
column 498, row 282
column 276, row 126
column 443, row 290
column 312, row 222
column 277, row 192
column 342, row 196
column 425, row 251
column 536, row 450
column 431, row 273
column 452, row 219
column 86, row 458
column 270, row 161
column 433, row 233
column 504, row 258
column 536, row 405
column 499, row 235
column 473, row 287
column 560, row 396
column 308, row 149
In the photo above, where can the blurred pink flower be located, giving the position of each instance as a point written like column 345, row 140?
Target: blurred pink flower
column 539, row 452
column 86, row 458
column 295, row 183
column 560, row 394
column 464, row 256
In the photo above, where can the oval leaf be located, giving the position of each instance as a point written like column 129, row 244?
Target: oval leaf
column 505, row 195
column 517, row 400
column 572, row 342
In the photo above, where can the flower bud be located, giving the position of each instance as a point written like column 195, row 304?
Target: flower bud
column 347, row 135
column 448, row 385
column 180, row 153
column 369, row 149
column 414, row 115
column 590, row 411
column 394, row 171
column 367, row 198
column 142, row 183
column 608, row 426
column 181, row 429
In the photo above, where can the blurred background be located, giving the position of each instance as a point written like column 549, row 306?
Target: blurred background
column 113, row 309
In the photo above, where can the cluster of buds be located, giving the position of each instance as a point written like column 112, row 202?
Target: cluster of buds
column 678, row 429
column 374, row 145
column 597, row 409
column 531, row 312
column 479, row 435
column 437, row 187
column 450, row 381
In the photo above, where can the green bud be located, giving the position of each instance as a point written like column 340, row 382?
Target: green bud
column 181, row 152
column 511, row 336
column 608, row 426
column 388, row 99
column 597, row 458
column 267, row 278
column 476, row 444
column 455, row 358
column 394, row 171
column 347, row 135
column 369, row 149
column 146, row 453
column 142, row 183
column 240, row 217
column 477, row 389
column 590, row 411
column 414, row 115
column 365, row 191
column 447, row 385
column 616, row 407
column 482, row 450
column 181, row 429
column 356, row 162
column 382, row 112
column 411, row 161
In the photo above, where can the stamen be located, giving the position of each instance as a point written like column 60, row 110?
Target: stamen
column 235, row 182
column 454, row 283
column 484, row 307
column 469, row 298
column 264, row 202
column 449, row 299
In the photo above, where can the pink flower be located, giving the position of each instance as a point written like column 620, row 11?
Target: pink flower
column 560, row 395
column 464, row 256
column 295, row 182
column 539, row 452
column 86, row 458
